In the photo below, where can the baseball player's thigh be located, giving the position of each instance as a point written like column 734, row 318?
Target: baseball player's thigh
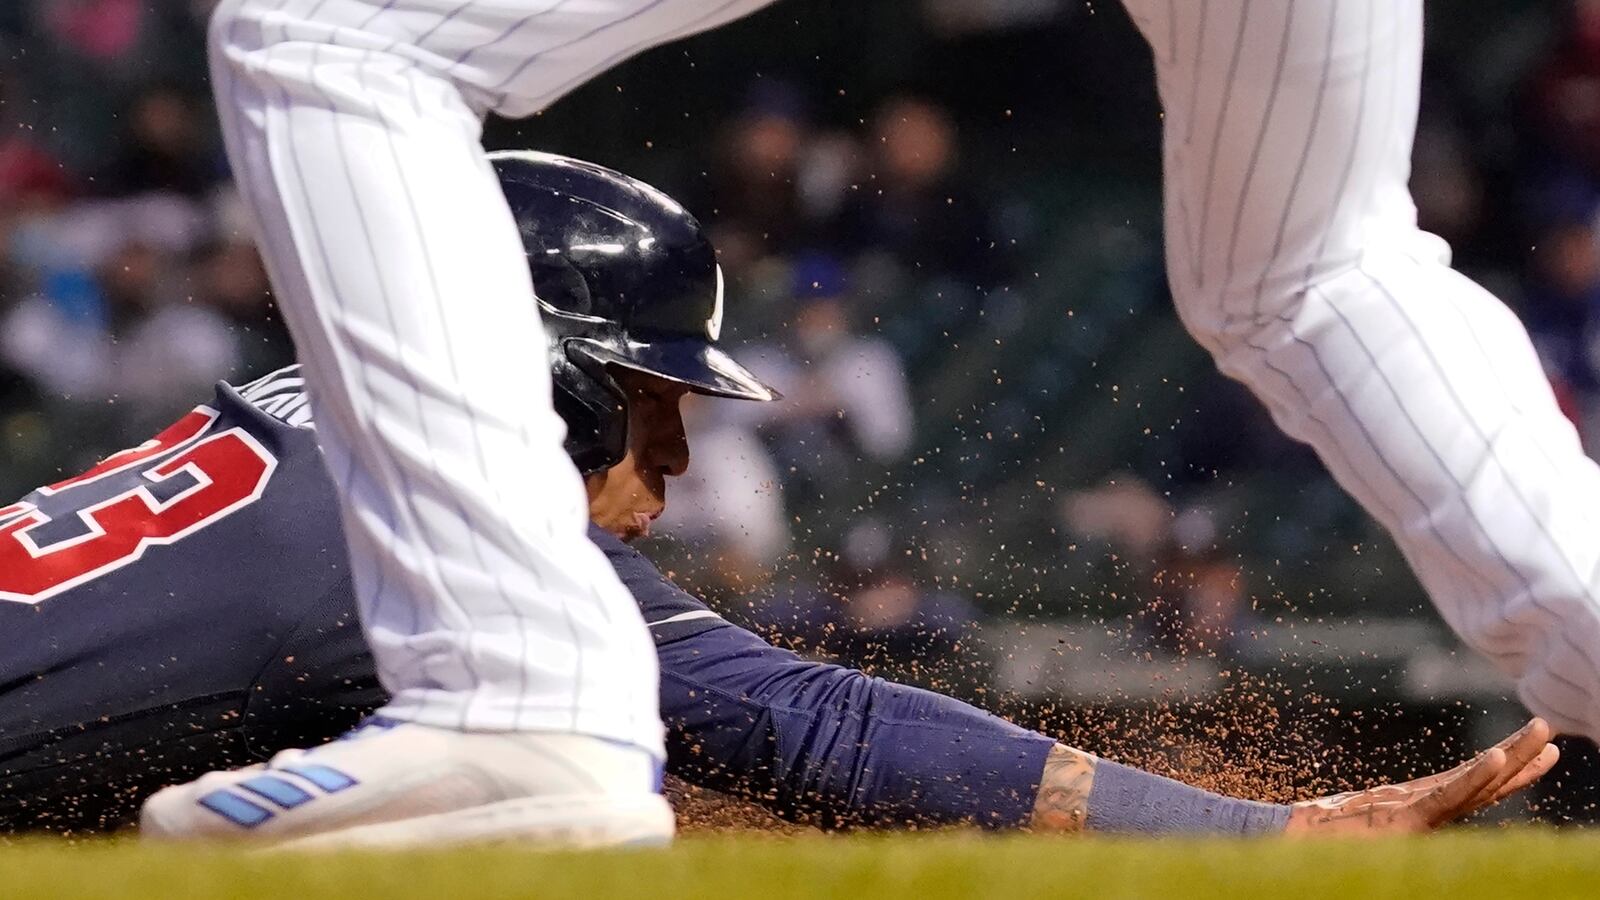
column 1287, row 142
column 579, row 48
column 518, row 57
column 401, row 273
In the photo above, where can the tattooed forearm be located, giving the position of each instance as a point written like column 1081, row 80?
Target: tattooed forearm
column 1063, row 801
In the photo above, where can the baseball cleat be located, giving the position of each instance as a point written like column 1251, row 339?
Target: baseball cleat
column 392, row 784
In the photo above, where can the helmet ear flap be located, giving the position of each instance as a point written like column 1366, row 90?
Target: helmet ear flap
column 594, row 408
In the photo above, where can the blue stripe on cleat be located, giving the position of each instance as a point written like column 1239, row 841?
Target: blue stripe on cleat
column 329, row 779
column 284, row 793
column 235, row 808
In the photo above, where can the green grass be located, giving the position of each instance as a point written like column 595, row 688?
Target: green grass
column 1464, row 864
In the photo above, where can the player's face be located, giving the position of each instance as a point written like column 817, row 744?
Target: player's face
column 627, row 497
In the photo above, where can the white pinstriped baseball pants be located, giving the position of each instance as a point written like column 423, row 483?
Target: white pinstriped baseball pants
column 1293, row 253
column 353, row 129
column 1294, row 257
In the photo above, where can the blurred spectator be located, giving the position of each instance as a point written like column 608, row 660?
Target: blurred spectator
column 34, row 189
column 58, row 337
column 1446, row 185
column 1562, row 300
column 877, row 615
column 846, row 398
column 164, row 150
column 1566, row 93
column 1124, row 513
column 863, row 607
column 120, row 333
column 32, row 180
column 755, row 207
column 1200, row 606
column 916, row 207
column 102, row 138
column 228, row 277
column 100, row 30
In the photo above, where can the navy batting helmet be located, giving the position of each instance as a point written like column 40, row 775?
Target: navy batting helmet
column 624, row 277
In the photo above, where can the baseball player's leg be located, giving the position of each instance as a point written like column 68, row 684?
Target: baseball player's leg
column 353, row 127
column 398, row 266
column 353, row 130
column 1294, row 257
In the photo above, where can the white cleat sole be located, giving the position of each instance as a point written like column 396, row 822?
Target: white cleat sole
column 542, row 822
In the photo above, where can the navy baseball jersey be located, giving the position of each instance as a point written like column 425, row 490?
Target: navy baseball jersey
column 194, row 592
column 186, row 605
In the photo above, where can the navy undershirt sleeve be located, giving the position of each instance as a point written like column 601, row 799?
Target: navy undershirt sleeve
column 821, row 743
column 833, row 747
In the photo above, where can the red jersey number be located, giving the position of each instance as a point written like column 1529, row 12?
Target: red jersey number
column 229, row 471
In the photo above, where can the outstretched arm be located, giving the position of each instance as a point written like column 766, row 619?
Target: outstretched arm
column 831, row 746
column 1073, row 795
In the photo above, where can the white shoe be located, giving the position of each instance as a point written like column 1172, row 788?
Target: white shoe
column 398, row 784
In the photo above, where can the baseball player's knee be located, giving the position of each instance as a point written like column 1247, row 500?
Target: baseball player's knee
column 1224, row 300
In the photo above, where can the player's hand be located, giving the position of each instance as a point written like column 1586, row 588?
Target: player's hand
column 1430, row 802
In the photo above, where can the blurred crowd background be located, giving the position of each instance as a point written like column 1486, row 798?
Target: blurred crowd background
column 1000, row 466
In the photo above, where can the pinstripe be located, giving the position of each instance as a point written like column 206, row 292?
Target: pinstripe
column 272, row 406
column 279, row 108
column 1172, row 32
column 1476, row 519
column 1488, row 362
column 387, row 6
column 261, row 387
column 293, row 406
column 287, row 375
column 355, row 478
column 228, row 114
column 535, row 57
column 1349, row 467
column 1340, row 192
column 1477, row 428
column 615, row 58
column 508, row 32
column 1195, row 72
column 1255, row 154
column 467, row 406
column 1349, row 142
column 1340, row 196
column 1186, row 224
column 422, row 418
column 335, row 296
column 1346, row 464
column 601, row 605
column 444, row 20
column 1300, row 167
column 1216, row 136
column 1372, row 444
column 530, row 564
column 312, row 12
